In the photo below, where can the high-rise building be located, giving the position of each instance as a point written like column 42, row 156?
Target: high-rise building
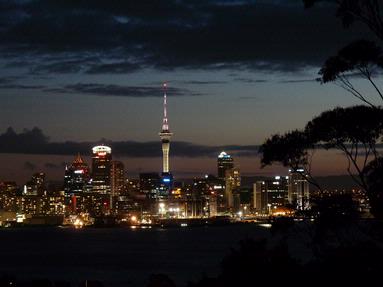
column 76, row 177
column 224, row 163
column 232, row 185
column 150, row 184
column 101, row 166
column 165, row 136
column 270, row 194
column 207, row 191
column 299, row 189
column 36, row 185
column 117, row 174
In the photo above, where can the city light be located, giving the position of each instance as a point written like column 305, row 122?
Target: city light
column 78, row 223
column 99, row 194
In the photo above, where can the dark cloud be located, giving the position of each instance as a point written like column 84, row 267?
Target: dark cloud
column 120, row 91
column 29, row 166
column 8, row 80
column 4, row 81
column 114, row 68
column 263, row 35
column 65, row 67
column 35, row 142
column 204, row 82
column 297, row 81
column 21, row 87
column 250, row 81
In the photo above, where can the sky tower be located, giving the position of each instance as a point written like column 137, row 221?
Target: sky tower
column 165, row 136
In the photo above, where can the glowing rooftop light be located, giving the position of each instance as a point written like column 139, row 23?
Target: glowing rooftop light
column 101, row 149
column 224, row 155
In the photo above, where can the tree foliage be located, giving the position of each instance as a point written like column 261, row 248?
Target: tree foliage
column 355, row 131
column 359, row 55
column 367, row 12
column 361, row 58
column 290, row 149
column 293, row 149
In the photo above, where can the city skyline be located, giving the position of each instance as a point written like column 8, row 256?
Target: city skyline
column 191, row 142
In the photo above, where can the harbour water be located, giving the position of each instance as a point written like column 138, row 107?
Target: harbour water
column 119, row 256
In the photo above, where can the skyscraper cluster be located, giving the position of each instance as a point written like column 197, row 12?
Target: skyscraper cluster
column 101, row 189
column 282, row 194
column 100, row 183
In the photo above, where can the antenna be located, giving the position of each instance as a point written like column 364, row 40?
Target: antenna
column 165, row 125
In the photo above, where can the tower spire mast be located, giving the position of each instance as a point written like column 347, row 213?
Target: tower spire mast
column 165, row 125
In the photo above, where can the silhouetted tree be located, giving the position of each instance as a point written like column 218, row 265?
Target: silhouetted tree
column 367, row 12
column 334, row 210
column 374, row 179
column 360, row 58
column 293, row 149
column 354, row 131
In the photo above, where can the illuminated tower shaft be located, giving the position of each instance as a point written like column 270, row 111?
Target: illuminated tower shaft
column 165, row 136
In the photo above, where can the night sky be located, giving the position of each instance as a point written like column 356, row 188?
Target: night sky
column 91, row 71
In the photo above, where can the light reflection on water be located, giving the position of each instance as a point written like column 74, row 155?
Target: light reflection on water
column 119, row 256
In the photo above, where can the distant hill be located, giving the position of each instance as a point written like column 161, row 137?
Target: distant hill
column 337, row 182
column 327, row 182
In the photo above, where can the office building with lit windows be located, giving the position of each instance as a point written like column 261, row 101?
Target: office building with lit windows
column 270, row 194
column 232, row 186
column 101, row 169
column 117, row 173
column 224, row 163
column 77, row 177
column 299, row 189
